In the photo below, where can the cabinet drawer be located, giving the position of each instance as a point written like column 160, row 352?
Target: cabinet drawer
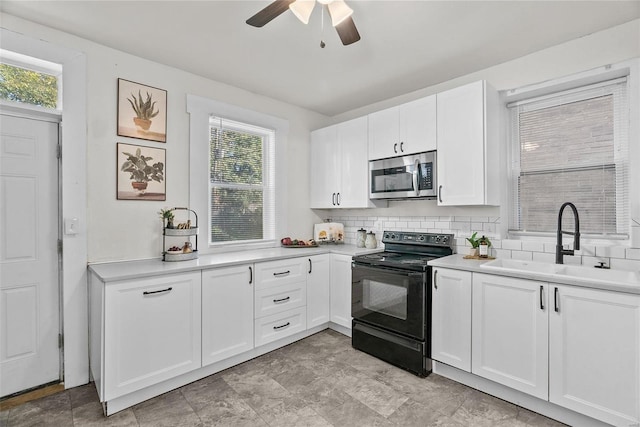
column 276, row 299
column 281, row 272
column 272, row 328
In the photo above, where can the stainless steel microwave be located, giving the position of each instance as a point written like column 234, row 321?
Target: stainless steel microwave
column 404, row 177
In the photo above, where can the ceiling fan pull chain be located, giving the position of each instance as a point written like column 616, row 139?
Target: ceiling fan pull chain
column 322, row 44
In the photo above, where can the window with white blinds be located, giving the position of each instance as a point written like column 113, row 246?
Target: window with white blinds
column 241, row 182
column 572, row 147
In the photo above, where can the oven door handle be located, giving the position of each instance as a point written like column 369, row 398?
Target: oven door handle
column 387, row 270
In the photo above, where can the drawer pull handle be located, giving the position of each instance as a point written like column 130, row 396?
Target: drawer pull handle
column 310, row 266
column 555, row 300
column 541, row 297
column 278, row 301
column 284, row 273
column 250, row 275
column 156, row 292
column 281, row 326
column 435, row 276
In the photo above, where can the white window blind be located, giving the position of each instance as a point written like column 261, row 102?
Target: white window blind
column 572, row 147
column 241, row 182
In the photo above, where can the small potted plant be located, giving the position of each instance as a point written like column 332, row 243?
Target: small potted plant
column 167, row 214
column 475, row 242
column 141, row 171
column 143, row 109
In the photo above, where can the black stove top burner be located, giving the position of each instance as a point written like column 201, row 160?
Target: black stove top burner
column 409, row 251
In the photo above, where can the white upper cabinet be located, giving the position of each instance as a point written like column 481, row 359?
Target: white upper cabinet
column 468, row 145
column 338, row 166
column 406, row 129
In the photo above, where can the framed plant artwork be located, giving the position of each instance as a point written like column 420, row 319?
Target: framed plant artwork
column 142, row 111
column 141, row 172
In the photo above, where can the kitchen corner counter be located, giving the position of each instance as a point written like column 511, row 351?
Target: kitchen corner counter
column 124, row 270
column 457, row 262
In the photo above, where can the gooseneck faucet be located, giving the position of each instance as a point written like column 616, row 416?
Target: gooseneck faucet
column 560, row 251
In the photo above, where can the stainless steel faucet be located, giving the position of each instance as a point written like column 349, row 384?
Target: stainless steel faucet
column 560, row 251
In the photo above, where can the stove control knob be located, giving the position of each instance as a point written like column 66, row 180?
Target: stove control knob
column 437, row 239
column 386, row 236
column 421, row 237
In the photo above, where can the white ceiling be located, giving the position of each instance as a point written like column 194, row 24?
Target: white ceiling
column 405, row 46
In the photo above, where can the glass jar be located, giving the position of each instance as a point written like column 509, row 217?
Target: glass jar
column 371, row 242
column 361, row 236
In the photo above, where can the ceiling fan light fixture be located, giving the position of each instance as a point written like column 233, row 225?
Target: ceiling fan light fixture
column 339, row 11
column 302, row 9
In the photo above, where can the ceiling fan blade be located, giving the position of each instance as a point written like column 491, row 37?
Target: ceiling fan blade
column 269, row 13
column 348, row 32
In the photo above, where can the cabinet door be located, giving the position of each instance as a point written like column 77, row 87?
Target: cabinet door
column 451, row 318
column 510, row 332
column 152, row 331
column 227, row 312
column 461, row 131
column 325, row 167
column 384, row 128
column 318, row 286
column 341, row 290
column 418, row 126
column 594, row 353
column 354, row 176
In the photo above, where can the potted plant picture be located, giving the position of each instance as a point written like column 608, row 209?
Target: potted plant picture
column 142, row 111
column 144, row 169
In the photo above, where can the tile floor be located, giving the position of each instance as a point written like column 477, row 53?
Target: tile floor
column 319, row 381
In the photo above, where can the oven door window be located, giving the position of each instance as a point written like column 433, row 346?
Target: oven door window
column 393, row 300
column 384, row 298
column 391, row 179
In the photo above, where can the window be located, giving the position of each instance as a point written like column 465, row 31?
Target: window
column 30, row 80
column 572, row 147
column 241, row 182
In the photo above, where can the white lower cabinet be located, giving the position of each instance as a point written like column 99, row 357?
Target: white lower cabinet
column 451, row 318
column 594, row 353
column 318, row 288
column 341, row 290
column 280, row 299
column 151, row 331
column 227, row 312
column 510, row 332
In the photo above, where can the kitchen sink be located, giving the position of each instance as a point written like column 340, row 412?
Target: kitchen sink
column 576, row 272
column 520, row 265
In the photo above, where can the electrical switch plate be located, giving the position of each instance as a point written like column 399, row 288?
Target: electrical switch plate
column 71, row 226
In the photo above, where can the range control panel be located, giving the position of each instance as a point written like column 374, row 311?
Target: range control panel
column 415, row 238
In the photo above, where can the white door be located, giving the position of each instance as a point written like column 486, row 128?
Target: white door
column 460, row 130
column 318, row 281
column 29, row 289
column 594, row 353
column 227, row 312
column 451, row 314
column 340, row 293
column 510, row 333
column 354, row 185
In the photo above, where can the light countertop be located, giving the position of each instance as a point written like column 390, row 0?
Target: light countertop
column 457, row 262
column 125, row 270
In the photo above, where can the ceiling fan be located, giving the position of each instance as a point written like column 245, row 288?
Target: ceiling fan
column 338, row 10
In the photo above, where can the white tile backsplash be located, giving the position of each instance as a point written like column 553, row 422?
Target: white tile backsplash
column 619, row 257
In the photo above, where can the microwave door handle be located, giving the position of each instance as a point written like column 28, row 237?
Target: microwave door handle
column 415, row 177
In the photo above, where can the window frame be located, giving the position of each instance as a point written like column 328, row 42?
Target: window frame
column 629, row 69
column 619, row 165
column 267, row 186
column 200, row 110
